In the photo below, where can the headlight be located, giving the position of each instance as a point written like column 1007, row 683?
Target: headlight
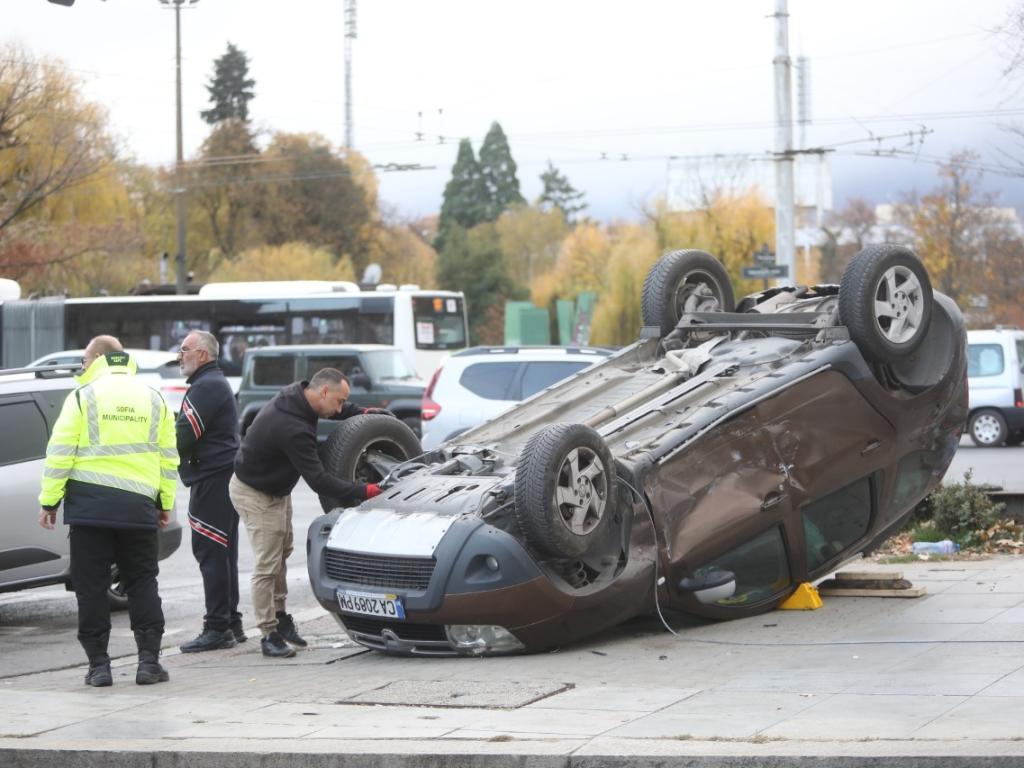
column 482, row 638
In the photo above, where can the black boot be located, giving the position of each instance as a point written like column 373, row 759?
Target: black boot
column 210, row 640
column 273, row 645
column 237, row 630
column 98, row 675
column 149, row 671
column 286, row 628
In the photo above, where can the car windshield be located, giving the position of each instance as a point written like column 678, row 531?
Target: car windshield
column 387, row 365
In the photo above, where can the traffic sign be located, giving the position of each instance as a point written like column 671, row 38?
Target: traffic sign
column 765, row 271
column 764, row 256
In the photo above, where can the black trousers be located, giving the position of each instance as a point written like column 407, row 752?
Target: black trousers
column 214, row 524
column 93, row 552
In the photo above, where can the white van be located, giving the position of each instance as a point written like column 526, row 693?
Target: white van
column 995, row 379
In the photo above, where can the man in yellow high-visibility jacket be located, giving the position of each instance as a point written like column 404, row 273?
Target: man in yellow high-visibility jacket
column 112, row 459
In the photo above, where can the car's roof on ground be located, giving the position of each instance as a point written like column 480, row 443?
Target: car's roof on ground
column 282, row 348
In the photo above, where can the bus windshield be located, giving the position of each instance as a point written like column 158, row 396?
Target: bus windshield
column 440, row 322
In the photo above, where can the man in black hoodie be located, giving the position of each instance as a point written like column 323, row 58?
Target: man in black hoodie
column 207, row 429
column 278, row 448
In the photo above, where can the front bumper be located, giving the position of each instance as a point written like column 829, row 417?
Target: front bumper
column 478, row 575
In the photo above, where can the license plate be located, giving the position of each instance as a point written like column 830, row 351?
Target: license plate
column 371, row 604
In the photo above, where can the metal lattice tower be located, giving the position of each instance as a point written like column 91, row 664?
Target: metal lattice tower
column 350, row 36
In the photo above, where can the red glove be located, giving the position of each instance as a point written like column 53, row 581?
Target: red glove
column 372, row 490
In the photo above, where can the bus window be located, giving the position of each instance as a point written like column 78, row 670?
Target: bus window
column 349, row 320
column 439, row 322
column 159, row 325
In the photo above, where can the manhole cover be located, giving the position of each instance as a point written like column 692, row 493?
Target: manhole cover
column 451, row 693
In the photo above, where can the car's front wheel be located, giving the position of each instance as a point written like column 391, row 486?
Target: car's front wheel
column 564, row 490
column 364, row 449
column 987, row 428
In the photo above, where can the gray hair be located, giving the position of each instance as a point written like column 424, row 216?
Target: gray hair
column 208, row 342
column 331, row 377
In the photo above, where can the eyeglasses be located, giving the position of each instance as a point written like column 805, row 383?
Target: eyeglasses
column 183, row 350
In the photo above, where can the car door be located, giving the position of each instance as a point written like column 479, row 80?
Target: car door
column 28, row 552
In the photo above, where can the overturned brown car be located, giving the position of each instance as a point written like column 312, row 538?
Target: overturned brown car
column 733, row 452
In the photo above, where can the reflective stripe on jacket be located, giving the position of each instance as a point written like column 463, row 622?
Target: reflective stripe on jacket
column 112, row 457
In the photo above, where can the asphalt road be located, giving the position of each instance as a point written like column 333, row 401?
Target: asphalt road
column 38, row 626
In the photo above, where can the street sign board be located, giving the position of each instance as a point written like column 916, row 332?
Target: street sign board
column 765, row 271
column 764, row 256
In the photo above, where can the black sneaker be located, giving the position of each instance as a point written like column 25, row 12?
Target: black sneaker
column 210, row 640
column 99, row 676
column 239, row 633
column 275, row 646
column 286, row 628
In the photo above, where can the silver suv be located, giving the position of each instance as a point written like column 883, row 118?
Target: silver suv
column 30, row 555
column 477, row 384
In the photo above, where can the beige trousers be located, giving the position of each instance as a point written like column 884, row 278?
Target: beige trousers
column 268, row 521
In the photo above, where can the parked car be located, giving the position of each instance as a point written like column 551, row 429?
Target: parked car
column 31, row 556
column 160, row 369
column 995, row 370
column 477, row 384
column 729, row 455
column 379, row 376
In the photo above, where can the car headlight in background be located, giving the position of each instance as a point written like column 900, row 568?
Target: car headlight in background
column 482, row 638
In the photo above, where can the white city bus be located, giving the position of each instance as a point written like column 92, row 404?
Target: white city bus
column 427, row 325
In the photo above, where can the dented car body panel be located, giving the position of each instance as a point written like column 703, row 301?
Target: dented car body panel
column 709, row 470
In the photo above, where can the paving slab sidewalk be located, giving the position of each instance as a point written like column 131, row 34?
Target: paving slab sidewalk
column 934, row 681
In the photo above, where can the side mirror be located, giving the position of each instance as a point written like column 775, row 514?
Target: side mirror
column 361, row 380
column 709, row 585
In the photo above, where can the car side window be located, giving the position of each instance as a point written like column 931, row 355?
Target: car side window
column 543, row 373
column 1020, row 354
column 984, row 360
column 273, row 370
column 760, row 567
column 25, row 420
column 834, row 522
column 490, row 381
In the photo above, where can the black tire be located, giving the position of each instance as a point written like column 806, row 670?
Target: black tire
column 414, row 423
column 545, row 465
column 891, row 276
column 987, row 428
column 684, row 281
column 116, row 595
column 344, row 452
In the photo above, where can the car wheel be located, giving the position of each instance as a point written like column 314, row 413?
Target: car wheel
column 885, row 301
column 684, row 281
column 413, row 423
column 363, row 449
column 564, row 490
column 987, row 428
column 116, row 594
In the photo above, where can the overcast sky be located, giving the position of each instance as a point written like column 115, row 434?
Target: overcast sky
column 607, row 91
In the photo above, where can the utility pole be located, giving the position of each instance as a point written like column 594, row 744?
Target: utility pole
column 784, row 213
column 350, row 35
column 179, row 165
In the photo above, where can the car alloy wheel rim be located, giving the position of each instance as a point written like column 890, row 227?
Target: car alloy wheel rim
column 582, row 491
column 986, row 428
column 899, row 304
column 696, row 292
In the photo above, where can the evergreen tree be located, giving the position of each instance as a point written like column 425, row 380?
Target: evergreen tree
column 498, row 170
column 230, row 88
column 559, row 193
column 464, row 202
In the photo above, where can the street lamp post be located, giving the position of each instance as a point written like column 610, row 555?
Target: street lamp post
column 179, row 165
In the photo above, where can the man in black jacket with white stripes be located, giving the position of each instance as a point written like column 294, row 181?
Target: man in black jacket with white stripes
column 207, row 430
